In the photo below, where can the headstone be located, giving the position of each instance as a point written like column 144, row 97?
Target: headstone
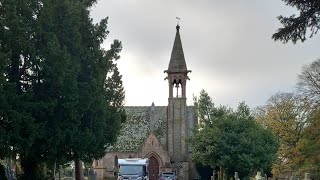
column 306, row 176
column 213, row 175
column 258, row 176
column 9, row 173
column 60, row 171
column 236, row 176
column 92, row 175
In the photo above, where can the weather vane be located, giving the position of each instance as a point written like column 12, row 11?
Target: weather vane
column 178, row 20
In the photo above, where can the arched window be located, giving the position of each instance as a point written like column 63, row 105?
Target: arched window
column 177, row 84
column 180, row 88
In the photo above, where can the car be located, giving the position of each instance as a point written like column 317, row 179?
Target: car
column 167, row 176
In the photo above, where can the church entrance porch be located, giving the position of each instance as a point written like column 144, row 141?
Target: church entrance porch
column 153, row 168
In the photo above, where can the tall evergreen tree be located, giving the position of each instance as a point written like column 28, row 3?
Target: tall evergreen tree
column 62, row 91
column 17, row 53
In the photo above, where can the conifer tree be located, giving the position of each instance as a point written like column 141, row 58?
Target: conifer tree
column 62, row 91
column 84, row 121
column 297, row 27
column 17, row 24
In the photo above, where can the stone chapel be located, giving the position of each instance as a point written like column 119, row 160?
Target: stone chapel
column 158, row 132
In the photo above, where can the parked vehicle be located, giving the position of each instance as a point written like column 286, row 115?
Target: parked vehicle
column 133, row 169
column 167, row 176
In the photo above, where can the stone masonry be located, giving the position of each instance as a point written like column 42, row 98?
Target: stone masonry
column 158, row 132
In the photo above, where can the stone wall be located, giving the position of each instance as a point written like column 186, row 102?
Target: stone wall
column 106, row 165
column 153, row 147
column 192, row 122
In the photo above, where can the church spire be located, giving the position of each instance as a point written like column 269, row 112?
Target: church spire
column 177, row 62
column 177, row 70
column 177, row 120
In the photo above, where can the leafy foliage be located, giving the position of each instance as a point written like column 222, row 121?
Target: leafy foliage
column 232, row 140
column 17, row 53
column 309, row 90
column 62, row 93
column 296, row 28
column 294, row 119
column 204, row 107
column 311, row 144
column 286, row 115
column 134, row 131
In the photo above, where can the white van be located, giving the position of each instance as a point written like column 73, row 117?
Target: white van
column 133, row 169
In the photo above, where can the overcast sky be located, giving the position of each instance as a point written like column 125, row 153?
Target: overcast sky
column 227, row 45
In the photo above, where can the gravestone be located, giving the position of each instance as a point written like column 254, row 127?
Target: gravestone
column 92, row 175
column 306, row 176
column 236, row 176
column 213, row 175
column 258, row 176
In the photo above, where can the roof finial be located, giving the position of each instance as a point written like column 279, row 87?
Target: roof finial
column 178, row 20
column 178, row 27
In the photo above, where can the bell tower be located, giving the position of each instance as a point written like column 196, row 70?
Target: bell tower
column 177, row 123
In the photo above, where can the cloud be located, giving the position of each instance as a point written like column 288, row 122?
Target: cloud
column 227, row 45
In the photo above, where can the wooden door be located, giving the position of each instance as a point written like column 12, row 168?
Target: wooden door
column 153, row 168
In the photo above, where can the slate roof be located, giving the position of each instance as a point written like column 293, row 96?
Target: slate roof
column 177, row 62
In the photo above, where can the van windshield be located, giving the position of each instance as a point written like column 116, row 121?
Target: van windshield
column 131, row 169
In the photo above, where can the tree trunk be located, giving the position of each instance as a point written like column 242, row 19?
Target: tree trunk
column 222, row 174
column 54, row 170
column 2, row 172
column 30, row 170
column 78, row 170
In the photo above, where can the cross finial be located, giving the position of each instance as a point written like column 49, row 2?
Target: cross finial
column 178, row 20
column 178, row 27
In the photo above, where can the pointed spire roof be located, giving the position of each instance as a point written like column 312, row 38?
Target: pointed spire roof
column 177, row 62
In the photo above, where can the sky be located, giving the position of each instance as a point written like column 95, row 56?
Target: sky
column 227, row 44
